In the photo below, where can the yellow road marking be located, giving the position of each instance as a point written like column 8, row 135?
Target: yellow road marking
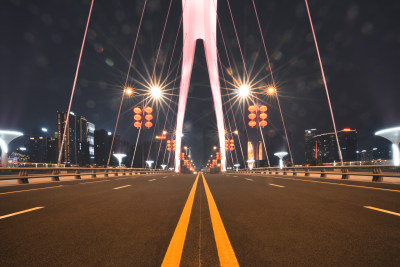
column 351, row 185
column 276, row 185
column 122, row 187
column 19, row 212
column 225, row 251
column 175, row 248
column 95, row 182
column 382, row 210
column 34, row 189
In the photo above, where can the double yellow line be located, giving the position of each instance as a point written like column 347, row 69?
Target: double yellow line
column 225, row 251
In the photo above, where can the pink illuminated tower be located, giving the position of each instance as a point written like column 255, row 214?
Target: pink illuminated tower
column 199, row 22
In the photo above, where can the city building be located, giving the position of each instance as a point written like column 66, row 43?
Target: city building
column 322, row 148
column 102, row 143
column 79, row 139
column 37, row 149
column 68, row 154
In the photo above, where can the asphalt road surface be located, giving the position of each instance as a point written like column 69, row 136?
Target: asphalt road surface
column 196, row 220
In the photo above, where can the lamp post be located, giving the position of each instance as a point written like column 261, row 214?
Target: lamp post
column 393, row 135
column 281, row 155
column 149, row 163
column 5, row 138
column 119, row 157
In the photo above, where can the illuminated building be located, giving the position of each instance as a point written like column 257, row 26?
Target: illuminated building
column 323, row 147
column 69, row 149
column 90, row 138
column 79, row 140
column 37, row 149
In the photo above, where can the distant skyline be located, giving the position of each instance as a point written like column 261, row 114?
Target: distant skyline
column 359, row 43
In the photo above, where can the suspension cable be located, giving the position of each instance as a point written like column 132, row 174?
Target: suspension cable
column 74, row 84
column 273, row 81
column 247, row 77
column 126, row 82
column 325, row 84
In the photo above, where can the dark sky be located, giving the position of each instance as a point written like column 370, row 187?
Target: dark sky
column 359, row 43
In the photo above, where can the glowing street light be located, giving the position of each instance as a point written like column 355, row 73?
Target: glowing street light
column 155, row 91
column 149, row 163
column 164, row 132
column 244, row 90
column 236, row 132
column 271, row 90
column 281, row 155
column 129, row 91
column 214, row 147
column 119, row 158
column 5, row 138
column 393, row 135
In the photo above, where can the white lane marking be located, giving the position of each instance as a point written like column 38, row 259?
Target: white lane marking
column 235, row 176
column 122, row 186
column 277, row 185
column 382, row 210
column 151, row 180
column 248, row 179
column 19, row 212
column 165, row 177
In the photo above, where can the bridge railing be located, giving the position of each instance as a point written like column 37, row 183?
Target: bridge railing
column 376, row 172
column 22, row 175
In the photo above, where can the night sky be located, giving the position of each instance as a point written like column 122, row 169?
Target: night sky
column 359, row 43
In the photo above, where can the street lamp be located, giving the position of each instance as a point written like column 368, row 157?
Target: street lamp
column 156, row 91
column 244, row 90
column 5, row 138
column 163, row 166
column 271, row 91
column 149, row 163
column 128, row 91
column 119, row 158
column 281, row 155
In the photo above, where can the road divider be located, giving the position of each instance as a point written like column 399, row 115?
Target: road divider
column 382, row 210
column 20, row 212
column 227, row 257
column 122, row 186
column 175, row 248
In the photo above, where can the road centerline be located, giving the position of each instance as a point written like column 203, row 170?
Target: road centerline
column 382, row 210
column 227, row 257
column 122, row 186
column 26, row 190
column 248, row 179
column 277, row 185
column 20, row 212
column 174, row 252
column 152, row 180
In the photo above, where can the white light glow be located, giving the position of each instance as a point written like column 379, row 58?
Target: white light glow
column 396, row 155
column 244, row 90
column 109, row 133
column 281, row 155
column 155, row 91
column 119, row 158
column 44, row 130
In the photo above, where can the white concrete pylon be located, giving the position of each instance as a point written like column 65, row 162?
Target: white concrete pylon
column 199, row 23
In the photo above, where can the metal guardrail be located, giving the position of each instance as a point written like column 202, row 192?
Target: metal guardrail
column 24, row 174
column 377, row 172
